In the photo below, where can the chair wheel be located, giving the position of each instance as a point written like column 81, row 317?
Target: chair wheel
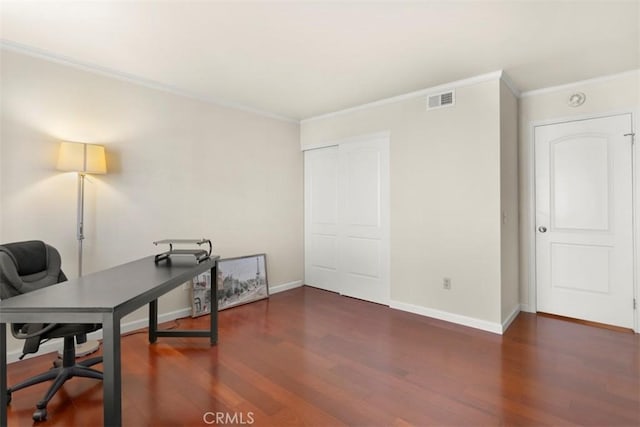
column 8, row 397
column 40, row 415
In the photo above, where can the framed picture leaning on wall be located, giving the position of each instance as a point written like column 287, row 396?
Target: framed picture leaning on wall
column 200, row 295
column 241, row 280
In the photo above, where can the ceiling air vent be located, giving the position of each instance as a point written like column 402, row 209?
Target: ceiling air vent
column 444, row 99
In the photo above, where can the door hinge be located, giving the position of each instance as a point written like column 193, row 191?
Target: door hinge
column 633, row 137
column 635, row 304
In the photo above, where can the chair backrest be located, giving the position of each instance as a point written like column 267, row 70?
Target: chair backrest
column 27, row 266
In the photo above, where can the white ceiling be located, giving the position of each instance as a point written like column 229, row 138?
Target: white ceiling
column 302, row 59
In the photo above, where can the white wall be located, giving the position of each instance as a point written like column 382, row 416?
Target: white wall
column 1, row 156
column 178, row 168
column 445, row 199
column 607, row 95
column 510, row 295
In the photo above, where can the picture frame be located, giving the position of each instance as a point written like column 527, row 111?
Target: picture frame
column 201, row 294
column 241, row 280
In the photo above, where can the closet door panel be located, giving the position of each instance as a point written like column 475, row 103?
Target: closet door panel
column 321, row 218
column 363, row 216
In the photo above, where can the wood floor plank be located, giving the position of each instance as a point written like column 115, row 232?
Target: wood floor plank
column 307, row 357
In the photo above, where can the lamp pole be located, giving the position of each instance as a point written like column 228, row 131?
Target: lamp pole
column 81, row 158
column 80, row 225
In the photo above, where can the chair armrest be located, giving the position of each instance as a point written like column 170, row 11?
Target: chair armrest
column 23, row 336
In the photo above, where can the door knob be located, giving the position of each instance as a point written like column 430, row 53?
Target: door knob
column 542, row 229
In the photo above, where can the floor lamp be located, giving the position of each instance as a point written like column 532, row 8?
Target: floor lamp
column 83, row 159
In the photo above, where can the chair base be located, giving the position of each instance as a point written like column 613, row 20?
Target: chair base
column 59, row 375
column 84, row 349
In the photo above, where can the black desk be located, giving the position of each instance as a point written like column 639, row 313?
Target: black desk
column 106, row 297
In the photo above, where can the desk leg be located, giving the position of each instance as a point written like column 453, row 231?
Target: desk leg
column 3, row 374
column 112, row 382
column 213, row 297
column 153, row 321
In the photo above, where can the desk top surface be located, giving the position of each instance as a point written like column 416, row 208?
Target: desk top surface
column 107, row 290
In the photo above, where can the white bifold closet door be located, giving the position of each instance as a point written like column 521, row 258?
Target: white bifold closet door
column 347, row 218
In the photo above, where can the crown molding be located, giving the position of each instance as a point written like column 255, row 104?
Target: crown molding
column 574, row 85
column 510, row 84
column 423, row 92
column 131, row 78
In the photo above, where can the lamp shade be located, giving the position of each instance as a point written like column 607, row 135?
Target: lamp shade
column 80, row 157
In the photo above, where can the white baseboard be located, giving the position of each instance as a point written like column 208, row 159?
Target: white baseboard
column 511, row 317
column 526, row 308
column 55, row 344
column 285, row 287
column 472, row 322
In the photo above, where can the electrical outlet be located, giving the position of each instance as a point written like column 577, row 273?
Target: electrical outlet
column 446, row 283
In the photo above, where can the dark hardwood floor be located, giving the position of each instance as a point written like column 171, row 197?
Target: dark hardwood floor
column 307, row 357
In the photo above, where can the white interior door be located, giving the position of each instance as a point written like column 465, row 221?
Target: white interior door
column 347, row 218
column 364, row 220
column 321, row 218
column 584, row 220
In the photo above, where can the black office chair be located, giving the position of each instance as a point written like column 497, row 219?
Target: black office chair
column 25, row 267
